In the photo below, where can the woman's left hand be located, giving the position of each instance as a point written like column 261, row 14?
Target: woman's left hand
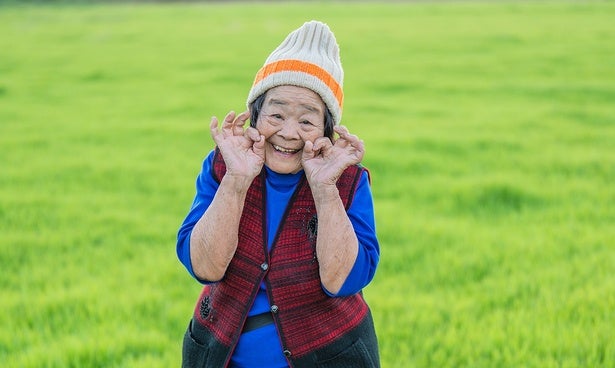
column 324, row 161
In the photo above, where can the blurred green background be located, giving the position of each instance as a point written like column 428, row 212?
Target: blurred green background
column 490, row 136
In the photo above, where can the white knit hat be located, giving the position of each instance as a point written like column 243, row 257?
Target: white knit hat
column 309, row 57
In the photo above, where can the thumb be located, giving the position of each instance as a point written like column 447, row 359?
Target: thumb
column 259, row 147
column 308, row 150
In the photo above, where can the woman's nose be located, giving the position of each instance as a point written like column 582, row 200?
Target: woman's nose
column 289, row 130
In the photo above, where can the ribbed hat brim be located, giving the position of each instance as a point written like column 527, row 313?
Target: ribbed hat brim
column 308, row 57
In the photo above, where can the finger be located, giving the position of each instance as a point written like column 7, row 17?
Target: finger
column 353, row 140
column 239, row 122
column 259, row 146
column 227, row 124
column 308, row 150
column 242, row 118
column 343, row 132
column 321, row 143
column 359, row 145
column 341, row 143
column 253, row 134
column 358, row 149
column 213, row 127
column 237, row 129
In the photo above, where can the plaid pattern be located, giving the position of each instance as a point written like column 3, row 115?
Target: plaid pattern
column 307, row 318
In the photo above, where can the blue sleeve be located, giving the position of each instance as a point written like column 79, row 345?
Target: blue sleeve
column 361, row 214
column 206, row 187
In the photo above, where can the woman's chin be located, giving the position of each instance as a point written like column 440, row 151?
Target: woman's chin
column 284, row 167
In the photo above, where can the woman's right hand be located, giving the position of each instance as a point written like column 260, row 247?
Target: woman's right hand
column 243, row 150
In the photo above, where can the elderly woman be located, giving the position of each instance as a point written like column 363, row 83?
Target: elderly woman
column 281, row 231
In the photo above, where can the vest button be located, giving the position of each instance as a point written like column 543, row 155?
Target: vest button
column 274, row 309
column 264, row 266
column 287, row 353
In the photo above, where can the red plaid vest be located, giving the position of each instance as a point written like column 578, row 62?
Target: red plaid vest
column 307, row 319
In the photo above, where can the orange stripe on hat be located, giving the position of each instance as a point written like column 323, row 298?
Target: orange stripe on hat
column 303, row 67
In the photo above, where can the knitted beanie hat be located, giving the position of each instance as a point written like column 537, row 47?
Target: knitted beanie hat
column 309, row 57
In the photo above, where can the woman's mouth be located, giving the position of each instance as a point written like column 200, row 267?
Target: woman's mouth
column 285, row 150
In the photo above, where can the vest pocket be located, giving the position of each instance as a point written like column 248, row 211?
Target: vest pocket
column 355, row 356
column 194, row 351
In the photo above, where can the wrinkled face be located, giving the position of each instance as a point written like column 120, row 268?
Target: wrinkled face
column 290, row 116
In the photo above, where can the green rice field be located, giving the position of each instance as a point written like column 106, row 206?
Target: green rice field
column 490, row 137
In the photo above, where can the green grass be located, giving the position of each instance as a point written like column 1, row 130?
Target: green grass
column 490, row 134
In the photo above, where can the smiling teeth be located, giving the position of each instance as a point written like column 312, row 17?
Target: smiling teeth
column 278, row 148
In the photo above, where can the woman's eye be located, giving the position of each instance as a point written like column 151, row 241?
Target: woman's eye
column 276, row 116
column 306, row 122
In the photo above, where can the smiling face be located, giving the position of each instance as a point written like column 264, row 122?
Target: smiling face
column 289, row 117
